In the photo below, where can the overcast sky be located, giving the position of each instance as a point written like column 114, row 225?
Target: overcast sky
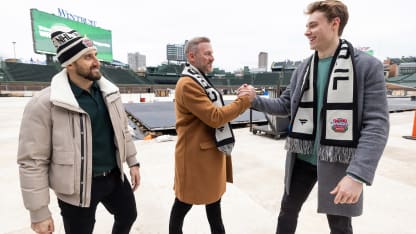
column 238, row 29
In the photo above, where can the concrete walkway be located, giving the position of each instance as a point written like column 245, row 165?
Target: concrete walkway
column 249, row 206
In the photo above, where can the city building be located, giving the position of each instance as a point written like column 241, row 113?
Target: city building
column 399, row 66
column 407, row 68
column 263, row 61
column 176, row 52
column 136, row 61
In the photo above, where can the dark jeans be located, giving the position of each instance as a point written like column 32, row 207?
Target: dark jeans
column 304, row 177
column 180, row 209
column 116, row 196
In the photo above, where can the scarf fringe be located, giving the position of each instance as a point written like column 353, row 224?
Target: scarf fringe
column 325, row 153
column 299, row 146
column 336, row 153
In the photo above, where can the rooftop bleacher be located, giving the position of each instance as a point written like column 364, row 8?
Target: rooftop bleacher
column 406, row 80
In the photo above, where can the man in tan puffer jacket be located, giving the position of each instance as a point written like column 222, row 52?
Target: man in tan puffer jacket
column 74, row 139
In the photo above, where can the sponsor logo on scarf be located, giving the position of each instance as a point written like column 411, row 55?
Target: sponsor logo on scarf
column 339, row 125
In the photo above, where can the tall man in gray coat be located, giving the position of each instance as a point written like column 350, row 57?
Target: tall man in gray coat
column 339, row 122
column 74, row 139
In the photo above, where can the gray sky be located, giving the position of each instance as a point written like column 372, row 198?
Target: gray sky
column 238, row 29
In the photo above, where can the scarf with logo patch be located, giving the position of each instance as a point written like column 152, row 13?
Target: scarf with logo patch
column 339, row 130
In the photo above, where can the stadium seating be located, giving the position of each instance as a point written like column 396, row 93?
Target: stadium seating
column 123, row 76
column 164, row 75
column 30, row 72
column 158, row 78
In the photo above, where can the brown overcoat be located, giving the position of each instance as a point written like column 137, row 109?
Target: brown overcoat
column 200, row 168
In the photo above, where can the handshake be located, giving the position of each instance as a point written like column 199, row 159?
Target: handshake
column 248, row 90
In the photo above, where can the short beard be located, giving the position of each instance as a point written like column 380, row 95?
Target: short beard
column 93, row 77
column 89, row 75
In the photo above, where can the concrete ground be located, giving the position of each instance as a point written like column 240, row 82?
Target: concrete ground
column 250, row 205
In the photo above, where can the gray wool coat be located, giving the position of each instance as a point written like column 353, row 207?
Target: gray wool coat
column 373, row 119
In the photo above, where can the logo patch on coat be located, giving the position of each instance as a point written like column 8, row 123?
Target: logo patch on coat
column 339, row 125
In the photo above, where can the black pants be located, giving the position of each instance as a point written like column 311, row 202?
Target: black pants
column 304, row 177
column 180, row 209
column 116, row 196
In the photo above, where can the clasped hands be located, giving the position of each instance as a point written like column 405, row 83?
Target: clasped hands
column 246, row 90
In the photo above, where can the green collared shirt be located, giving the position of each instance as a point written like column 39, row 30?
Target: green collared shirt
column 103, row 148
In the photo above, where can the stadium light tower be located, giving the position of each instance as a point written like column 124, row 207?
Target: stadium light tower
column 14, row 49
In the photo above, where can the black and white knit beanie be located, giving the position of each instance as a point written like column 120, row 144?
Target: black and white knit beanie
column 70, row 45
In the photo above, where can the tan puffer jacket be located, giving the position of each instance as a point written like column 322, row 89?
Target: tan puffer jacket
column 55, row 145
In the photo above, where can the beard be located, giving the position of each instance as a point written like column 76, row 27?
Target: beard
column 204, row 67
column 93, row 77
column 89, row 73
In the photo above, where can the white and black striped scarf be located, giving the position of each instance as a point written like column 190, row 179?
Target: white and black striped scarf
column 339, row 132
column 224, row 136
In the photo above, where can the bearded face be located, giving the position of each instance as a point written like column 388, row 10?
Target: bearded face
column 89, row 72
